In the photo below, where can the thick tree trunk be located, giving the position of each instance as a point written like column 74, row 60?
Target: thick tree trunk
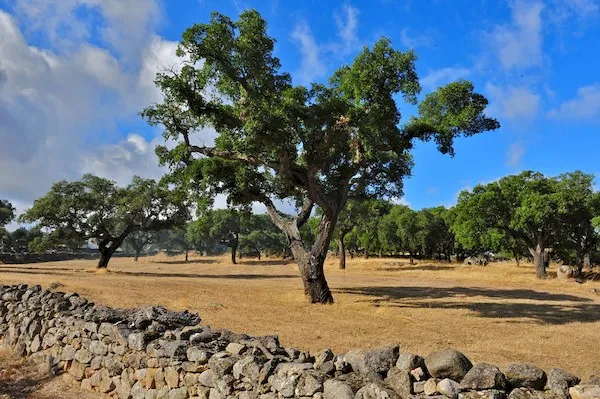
column 411, row 258
column 137, row 254
column 105, row 256
column 234, row 246
column 186, row 254
column 342, row 252
column 539, row 260
column 366, row 252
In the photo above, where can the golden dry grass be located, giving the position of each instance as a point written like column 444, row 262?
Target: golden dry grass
column 21, row 379
column 499, row 313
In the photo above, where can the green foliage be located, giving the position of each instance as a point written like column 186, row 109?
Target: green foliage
column 318, row 145
column 529, row 211
column 95, row 208
column 284, row 141
column 261, row 236
column 7, row 212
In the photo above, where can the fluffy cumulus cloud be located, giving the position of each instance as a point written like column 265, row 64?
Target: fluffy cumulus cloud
column 513, row 102
column 519, row 43
column 59, row 100
column 584, row 107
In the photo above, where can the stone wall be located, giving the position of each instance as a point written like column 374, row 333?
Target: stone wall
column 153, row 353
column 31, row 257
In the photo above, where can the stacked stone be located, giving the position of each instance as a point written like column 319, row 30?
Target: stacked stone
column 153, row 353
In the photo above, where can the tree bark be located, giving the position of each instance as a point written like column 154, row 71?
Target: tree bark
column 234, row 246
column 539, row 260
column 366, row 251
column 186, row 254
column 310, row 261
column 342, row 251
column 105, row 256
column 137, row 254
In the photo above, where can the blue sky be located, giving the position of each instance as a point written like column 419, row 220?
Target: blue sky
column 75, row 73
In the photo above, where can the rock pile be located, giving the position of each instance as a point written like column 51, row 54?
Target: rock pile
column 153, row 353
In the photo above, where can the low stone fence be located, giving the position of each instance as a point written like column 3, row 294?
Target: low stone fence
column 153, row 353
column 31, row 257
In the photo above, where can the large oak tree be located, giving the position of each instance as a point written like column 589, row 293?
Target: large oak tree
column 318, row 145
column 96, row 208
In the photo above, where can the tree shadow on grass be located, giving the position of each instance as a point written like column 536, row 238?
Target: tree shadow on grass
column 409, row 267
column 36, row 271
column 210, row 276
column 557, row 309
column 267, row 262
column 189, row 262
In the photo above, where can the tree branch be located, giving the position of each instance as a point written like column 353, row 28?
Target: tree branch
column 305, row 212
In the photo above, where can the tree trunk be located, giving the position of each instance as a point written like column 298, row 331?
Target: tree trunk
column 539, row 260
column 186, row 254
column 342, row 251
column 234, row 246
column 366, row 252
column 105, row 256
column 137, row 254
column 411, row 258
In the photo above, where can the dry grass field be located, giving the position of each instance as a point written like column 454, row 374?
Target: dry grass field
column 498, row 314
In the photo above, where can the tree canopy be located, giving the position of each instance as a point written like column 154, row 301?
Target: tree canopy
column 96, row 208
column 7, row 212
column 530, row 211
column 317, row 145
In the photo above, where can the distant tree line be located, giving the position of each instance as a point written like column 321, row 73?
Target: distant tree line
column 520, row 216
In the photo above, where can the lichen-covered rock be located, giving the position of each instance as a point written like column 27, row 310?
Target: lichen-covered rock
column 526, row 393
column 449, row 388
column 483, row 376
column 488, row 394
column 376, row 361
column 375, row 390
column 525, row 375
column 408, row 361
column 335, row 389
column 448, row 363
column 585, row 391
column 559, row 381
column 399, row 381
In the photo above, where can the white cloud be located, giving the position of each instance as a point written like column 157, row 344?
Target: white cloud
column 513, row 102
column 121, row 161
column 58, row 107
column 515, row 153
column 413, row 42
column 312, row 65
column 125, row 28
column 585, row 106
column 519, row 44
column 347, row 24
column 442, row 76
